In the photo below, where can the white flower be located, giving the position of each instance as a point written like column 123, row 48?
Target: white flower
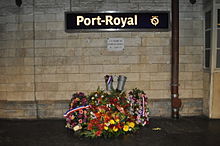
column 76, row 128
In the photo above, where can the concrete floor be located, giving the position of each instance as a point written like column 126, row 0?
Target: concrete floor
column 191, row 131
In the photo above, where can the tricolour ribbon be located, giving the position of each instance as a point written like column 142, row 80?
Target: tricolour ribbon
column 109, row 79
column 143, row 103
column 75, row 109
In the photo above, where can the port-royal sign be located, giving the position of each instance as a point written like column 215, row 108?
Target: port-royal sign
column 116, row 21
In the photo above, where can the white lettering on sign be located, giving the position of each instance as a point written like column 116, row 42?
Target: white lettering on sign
column 115, row 44
column 108, row 20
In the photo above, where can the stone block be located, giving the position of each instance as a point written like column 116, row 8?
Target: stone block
column 159, row 84
column 126, row 6
column 97, row 77
column 53, row 95
column 20, row 79
column 43, row 52
column 91, row 68
column 20, row 96
column 90, row 35
column 144, row 59
column 67, row 87
column 197, row 59
column 63, row 52
column 55, row 26
column 21, row 87
column 185, row 76
column 40, row 26
column 185, row 24
column 116, row 35
column 137, row 84
column 28, row 43
column 158, row 94
column 128, row 59
column 104, row 60
column 193, row 67
column 56, row 43
column 185, row 41
column 52, row 78
column 67, row 69
column 186, row 59
column 154, row 50
column 116, row 68
column 144, row 76
column 197, row 76
column 160, row 59
column 93, row 52
column 77, row 77
column 45, row 17
column 54, row 61
column 185, row 93
column 86, row 43
column 132, row 76
column 150, row 42
column 76, row 60
column 198, row 41
column 86, row 86
column 193, row 50
column 144, row 68
column 165, row 76
column 198, row 93
column 194, row 84
column 164, row 67
column 40, row 43
column 46, row 69
column 46, row 87
column 132, row 42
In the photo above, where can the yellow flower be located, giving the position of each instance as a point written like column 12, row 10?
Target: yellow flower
column 72, row 117
column 106, row 128
column 131, row 124
column 115, row 129
column 125, row 128
column 112, row 122
column 117, row 120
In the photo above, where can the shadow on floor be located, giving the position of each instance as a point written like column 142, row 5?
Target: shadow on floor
column 190, row 131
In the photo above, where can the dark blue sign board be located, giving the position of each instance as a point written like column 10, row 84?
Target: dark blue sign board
column 116, row 21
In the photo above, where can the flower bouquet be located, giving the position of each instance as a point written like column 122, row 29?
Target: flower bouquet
column 107, row 114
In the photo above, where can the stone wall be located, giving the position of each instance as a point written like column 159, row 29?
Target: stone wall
column 41, row 64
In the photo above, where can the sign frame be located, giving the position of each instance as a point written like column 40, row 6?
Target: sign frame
column 118, row 29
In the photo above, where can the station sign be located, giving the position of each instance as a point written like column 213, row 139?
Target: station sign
column 116, row 21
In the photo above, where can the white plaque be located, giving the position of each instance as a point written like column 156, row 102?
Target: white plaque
column 115, row 44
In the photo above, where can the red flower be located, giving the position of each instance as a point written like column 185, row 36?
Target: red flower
column 89, row 126
column 81, row 111
column 100, row 126
column 98, row 133
column 115, row 100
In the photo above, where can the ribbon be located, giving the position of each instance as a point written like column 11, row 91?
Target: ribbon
column 143, row 105
column 109, row 79
column 75, row 109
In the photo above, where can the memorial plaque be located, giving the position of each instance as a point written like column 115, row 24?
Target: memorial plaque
column 115, row 44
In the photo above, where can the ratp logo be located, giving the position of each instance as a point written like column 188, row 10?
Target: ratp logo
column 154, row 20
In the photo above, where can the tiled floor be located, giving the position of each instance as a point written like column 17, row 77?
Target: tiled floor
column 191, row 131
